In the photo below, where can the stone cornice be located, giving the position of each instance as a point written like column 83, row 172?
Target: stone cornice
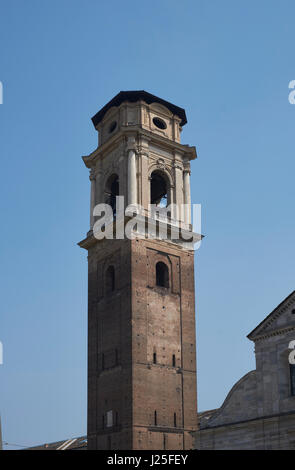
column 115, row 142
column 138, row 132
column 259, row 332
column 182, row 243
column 269, row 334
column 257, row 418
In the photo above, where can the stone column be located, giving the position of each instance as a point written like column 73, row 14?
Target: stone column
column 99, row 197
column 145, row 182
column 143, row 160
column 132, row 182
column 187, row 195
column 171, row 201
column 92, row 196
column 178, row 191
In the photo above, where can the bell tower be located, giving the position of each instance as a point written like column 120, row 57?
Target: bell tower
column 141, row 306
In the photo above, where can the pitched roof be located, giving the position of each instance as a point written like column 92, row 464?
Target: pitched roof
column 133, row 96
column 271, row 323
column 78, row 443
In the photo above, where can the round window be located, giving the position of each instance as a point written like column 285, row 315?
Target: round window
column 112, row 127
column 159, row 123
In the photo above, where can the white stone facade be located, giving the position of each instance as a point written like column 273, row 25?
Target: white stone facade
column 259, row 411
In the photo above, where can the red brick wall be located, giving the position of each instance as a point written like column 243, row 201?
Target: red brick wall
column 126, row 328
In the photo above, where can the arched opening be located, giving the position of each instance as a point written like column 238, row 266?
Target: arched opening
column 111, row 191
column 159, row 189
column 162, row 275
column 110, row 279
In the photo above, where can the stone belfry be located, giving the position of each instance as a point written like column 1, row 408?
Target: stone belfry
column 141, row 314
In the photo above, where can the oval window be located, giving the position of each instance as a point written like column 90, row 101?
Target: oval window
column 112, row 127
column 159, row 123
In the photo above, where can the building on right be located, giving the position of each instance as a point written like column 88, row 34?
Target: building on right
column 259, row 411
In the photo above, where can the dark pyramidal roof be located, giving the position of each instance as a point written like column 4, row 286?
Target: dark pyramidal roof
column 133, row 96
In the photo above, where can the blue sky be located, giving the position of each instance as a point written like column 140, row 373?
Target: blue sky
column 229, row 65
